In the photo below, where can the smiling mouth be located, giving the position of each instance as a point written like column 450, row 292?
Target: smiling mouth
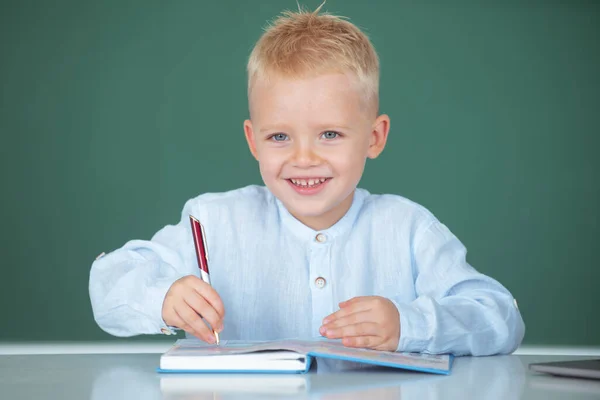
column 308, row 183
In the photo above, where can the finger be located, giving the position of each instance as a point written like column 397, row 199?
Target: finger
column 211, row 296
column 178, row 322
column 181, row 324
column 174, row 319
column 350, row 308
column 353, row 300
column 351, row 319
column 196, row 325
column 361, row 329
column 362, row 341
column 201, row 306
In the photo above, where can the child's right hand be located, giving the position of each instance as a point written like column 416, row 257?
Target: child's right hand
column 190, row 299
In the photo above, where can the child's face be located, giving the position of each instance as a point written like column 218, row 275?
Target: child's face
column 311, row 138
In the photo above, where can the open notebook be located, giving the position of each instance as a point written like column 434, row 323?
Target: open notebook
column 286, row 356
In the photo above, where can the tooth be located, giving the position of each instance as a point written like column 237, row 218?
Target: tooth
column 302, row 182
column 322, row 180
column 311, row 182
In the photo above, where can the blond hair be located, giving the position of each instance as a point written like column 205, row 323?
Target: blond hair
column 301, row 44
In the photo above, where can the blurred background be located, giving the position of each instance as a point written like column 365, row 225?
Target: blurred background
column 114, row 113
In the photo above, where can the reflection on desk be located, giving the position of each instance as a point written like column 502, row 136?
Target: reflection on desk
column 493, row 378
column 134, row 376
column 566, row 386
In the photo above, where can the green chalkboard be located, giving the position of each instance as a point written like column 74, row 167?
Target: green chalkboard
column 109, row 110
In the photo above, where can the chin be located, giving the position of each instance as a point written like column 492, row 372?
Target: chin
column 309, row 209
column 300, row 213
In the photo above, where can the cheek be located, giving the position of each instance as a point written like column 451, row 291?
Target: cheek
column 269, row 164
column 352, row 158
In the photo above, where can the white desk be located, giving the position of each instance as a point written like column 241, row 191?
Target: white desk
column 133, row 376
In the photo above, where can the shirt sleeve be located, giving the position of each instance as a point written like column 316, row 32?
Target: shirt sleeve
column 127, row 286
column 457, row 310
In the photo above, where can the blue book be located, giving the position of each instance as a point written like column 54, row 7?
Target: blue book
column 290, row 356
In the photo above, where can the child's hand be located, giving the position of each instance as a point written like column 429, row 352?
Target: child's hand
column 371, row 321
column 187, row 301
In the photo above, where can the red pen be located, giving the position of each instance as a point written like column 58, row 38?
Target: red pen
column 201, row 254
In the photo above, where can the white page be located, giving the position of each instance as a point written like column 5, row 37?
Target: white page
column 191, row 354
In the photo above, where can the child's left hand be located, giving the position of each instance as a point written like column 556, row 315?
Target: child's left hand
column 370, row 321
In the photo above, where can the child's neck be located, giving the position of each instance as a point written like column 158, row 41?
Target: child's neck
column 330, row 218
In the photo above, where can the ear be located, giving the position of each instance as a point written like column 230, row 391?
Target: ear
column 249, row 133
column 379, row 134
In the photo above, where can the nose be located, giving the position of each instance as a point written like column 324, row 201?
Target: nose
column 305, row 157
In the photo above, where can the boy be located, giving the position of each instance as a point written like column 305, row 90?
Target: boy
column 310, row 254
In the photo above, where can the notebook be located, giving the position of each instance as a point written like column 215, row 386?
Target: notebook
column 286, row 356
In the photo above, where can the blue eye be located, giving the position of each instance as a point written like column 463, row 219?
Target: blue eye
column 330, row 134
column 279, row 137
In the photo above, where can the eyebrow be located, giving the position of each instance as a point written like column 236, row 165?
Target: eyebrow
column 274, row 128
column 322, row 127
column 333, row 127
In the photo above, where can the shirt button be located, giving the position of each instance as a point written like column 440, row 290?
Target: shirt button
column 320, row 282
column 321, row 238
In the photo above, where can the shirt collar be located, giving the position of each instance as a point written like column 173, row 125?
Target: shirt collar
column 337, row 230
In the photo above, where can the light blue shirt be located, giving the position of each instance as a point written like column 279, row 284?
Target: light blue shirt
column 278, row 280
